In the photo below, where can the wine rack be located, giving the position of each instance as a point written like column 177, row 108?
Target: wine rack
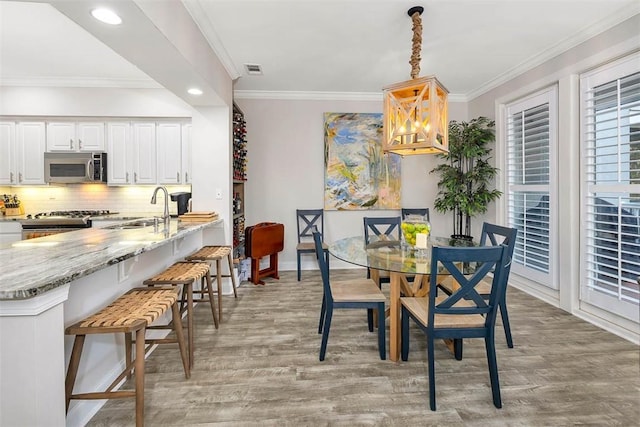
column 239, row 145
column 239, row 178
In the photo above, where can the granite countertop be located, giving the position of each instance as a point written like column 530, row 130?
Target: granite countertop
column 33, row 267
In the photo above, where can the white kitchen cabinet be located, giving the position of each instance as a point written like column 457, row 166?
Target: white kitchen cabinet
column 144, row 153
column 30, row 144
column 169, row 146
column 131, row 153
column 75, row 136
column 7, row 153
column 186, row 154
column 22, row 153
column 119, row 154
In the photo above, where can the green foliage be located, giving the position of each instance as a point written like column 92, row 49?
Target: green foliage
column 465, row 178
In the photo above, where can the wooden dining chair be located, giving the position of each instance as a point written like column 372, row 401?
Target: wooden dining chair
column 355, row 293
column 416, row 211
column 306, row 220
column 493, row 235
column 464, row 313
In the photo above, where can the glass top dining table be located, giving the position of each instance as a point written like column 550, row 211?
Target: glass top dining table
column 409, row 271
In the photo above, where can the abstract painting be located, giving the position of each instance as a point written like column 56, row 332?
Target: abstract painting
column 358, row 175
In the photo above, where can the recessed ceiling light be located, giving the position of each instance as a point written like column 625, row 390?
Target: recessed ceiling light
column 195, row 91
column 107, row 16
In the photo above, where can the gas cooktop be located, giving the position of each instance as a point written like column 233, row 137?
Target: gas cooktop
column 70, row 214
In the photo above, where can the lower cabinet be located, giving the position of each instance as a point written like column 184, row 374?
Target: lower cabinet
column 10, row 231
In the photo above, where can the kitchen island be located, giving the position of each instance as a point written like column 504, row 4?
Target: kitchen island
column 51, row 282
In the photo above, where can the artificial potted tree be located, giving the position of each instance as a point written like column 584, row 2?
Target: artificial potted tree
column 466, row 176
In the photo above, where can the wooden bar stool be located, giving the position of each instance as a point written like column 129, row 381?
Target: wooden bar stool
column 184, row 274
column 217, row 253
column 131, row 313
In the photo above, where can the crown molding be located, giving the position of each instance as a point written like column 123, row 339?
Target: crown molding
column 80, row 82
column 199, row 16
column 563, row 46
column 321, row 96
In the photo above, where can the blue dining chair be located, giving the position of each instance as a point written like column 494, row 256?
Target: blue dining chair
column 355, row 293
column 307, row 219
column 382, row 228
column 493, row 235
column 464, row 313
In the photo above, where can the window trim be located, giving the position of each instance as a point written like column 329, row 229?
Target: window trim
column 547, row 94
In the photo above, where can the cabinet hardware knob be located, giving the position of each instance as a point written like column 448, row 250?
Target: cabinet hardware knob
column 186, row 177
column 80, row 144
column 19, row 176
column 10, row 176
column 71, row 143
column 135, row 177
column 126, row 177
column 178, row 176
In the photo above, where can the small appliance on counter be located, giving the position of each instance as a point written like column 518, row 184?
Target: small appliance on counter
column 182, row 200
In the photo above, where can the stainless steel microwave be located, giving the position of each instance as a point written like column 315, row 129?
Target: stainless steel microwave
column 75, row 168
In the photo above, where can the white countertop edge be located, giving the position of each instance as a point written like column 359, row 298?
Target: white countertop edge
column 36, row 305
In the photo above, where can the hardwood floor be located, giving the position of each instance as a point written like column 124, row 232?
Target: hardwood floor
column 261, row 368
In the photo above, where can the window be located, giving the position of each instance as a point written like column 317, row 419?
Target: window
column 531, row 141
column 610, row 235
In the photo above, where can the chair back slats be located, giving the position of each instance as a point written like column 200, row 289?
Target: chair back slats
column 307, row 219
column 382, row 227
column 493, row 235
column 416, row 211
column 453, row 260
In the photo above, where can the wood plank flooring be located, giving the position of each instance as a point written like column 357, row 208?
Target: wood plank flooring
column 261, row 368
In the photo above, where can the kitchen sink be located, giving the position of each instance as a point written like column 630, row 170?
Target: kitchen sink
column 138, row 223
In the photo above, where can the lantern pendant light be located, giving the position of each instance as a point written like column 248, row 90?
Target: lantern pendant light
column 415, row 111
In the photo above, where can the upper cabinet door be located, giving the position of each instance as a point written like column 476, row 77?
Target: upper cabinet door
column 144, row 155
column 90, row 136
column 61, row 136
column 186, row 154
column 7, row 153
column 30, row 144
column 75, row 137
column 169, row 146
column 119, row 154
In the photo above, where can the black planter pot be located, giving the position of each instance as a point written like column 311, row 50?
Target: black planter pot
column 461, row 240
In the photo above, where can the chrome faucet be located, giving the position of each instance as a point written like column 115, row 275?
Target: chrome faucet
column 165, row 217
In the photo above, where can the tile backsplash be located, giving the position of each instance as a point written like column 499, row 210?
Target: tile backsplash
column 137, row 198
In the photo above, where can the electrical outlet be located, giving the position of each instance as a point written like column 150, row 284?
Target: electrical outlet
column 218, row 193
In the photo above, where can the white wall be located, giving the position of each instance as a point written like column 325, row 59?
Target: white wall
column 91, row 102
column 564, row 70
column 285, row 171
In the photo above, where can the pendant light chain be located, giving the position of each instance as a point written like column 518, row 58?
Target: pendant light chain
column 416, row 44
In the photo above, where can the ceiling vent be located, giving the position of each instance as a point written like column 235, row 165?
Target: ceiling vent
column 253, row 69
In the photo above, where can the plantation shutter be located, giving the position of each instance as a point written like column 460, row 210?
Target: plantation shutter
column 530, row 146
column 610, row 110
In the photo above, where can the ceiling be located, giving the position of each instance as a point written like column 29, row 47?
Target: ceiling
column 319, row 45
